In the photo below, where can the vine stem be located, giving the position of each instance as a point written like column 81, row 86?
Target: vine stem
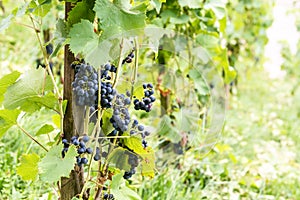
column 135, row 70
column 31, row 137
column 119, row 64
column 60, row 99
column 86, row 120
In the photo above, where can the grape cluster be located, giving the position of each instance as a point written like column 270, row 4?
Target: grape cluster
column 148, row 99
column 108, row 196
column 81, row 148
column 133, row 161
column 107, row 90
column 121, row 117
column 128, row 58
column 85, row 85
column 97, row 156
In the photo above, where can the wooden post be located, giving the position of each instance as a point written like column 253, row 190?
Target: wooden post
column 72, row 186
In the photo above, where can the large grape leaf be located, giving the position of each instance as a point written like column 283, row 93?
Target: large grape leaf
column 52, row 167
column 120, row 190
column 122, row 20
column 8, row 118
column 82, row 37
column 28, row 169
column 6, row 81
column 26, row 93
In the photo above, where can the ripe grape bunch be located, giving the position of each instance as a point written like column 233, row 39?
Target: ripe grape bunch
column 82, row 150
column 148, row 99
column 85, row 85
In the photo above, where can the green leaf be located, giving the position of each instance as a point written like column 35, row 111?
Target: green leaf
column 202, row 54
column 41, row 8
column 168, row 130
column 120, row 190
column 148, row 159
column 199, row 82
column 47, row 128
column 157, row 5
column 230, row 72
column 8, row 118
column 17, row 12
column 107, row 126
column 60, row 36
column 82, row 10
column 117, row 180
column 148, row 163
column 134, row 144
column 209, row 41
column 119, row 158
column 218, row 7
column 28, row 169
column 123, row 20
column 125, row 193
column 6, row 81
column 183, row 19
column 6, row 22
column 27, row 92
column 190, row 3
column 52, row 167
column 82, row 37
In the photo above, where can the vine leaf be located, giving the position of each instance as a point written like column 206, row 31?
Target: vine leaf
column 17, row 12
column 148, row 163
column 41, row 8
column 28, row 169
column 82, row 37
column 199, row 82
column 134, row 143
column 52, row 167
column 45, row 129
column 119, row 158
column 217, row 6
column 82, row 10
column 147, row 154
column 120, row 190
column 123, row 20
column 168, row 130
column 6, row 81
column 60, row 36
column 191, row 3
column 8, row 118
column 6, row 22
column 27, row 93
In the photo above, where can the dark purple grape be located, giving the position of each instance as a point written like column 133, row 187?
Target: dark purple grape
column 89, row 150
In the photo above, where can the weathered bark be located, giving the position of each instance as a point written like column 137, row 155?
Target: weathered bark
column 72, row 186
